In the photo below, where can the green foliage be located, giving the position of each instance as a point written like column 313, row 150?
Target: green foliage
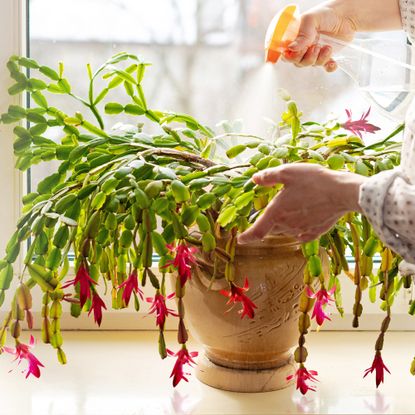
column 111, row 188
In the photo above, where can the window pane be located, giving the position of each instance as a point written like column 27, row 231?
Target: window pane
column 207, row 59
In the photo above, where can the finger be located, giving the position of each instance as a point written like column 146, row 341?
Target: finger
column 258, row 231
column 271, row 177
column 310, row 56
column 307, row 34
column 263, row 225
column 293, row 56
column 324, row 55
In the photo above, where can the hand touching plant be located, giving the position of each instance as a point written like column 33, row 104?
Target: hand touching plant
column 311, row 202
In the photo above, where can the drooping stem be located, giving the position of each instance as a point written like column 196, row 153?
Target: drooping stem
column 357, row 307
column 305, row 305
column 189, row 157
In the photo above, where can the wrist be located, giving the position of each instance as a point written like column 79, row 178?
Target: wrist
column 348, row 185
column 369, row 15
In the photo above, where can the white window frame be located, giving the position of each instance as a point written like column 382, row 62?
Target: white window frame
column 12, row 42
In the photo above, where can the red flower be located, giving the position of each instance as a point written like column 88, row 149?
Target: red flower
column 236, row 295
column 303, row 375
column 97, row 306
column 183, row 358
column 377, row 365
column 158, row 306
column 130, row 285
column 322, row 297
column 85, row 282
column 356, row 127
column 182, row 261
column 22, row 352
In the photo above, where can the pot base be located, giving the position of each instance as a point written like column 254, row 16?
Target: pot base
column 243, row 380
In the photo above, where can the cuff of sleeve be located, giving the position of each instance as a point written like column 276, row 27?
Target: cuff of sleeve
column 406, row 11
column 372, row 199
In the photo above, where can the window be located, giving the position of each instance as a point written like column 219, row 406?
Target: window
column 207, row 61
column 207, row 57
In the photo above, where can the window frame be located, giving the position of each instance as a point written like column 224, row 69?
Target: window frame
column 13, row 42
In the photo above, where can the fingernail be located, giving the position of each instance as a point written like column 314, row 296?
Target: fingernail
column 241, row 239
column 256, row 178
column 289, row 53
column 332, row 66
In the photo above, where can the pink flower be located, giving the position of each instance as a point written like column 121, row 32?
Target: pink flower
column 356, row 127
column 22, row 352
column 182, row 261
column 158, row 306
column 379, row 366
column 303, row 375
column 130, row 285
column 85, row 282
column 97, row 306
column 183, row 358
column 322, row 297
column 236, row 295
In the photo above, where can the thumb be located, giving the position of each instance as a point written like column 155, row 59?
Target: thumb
column 307, row 34
column 271, row 177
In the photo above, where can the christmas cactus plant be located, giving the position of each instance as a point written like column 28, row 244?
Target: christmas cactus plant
column 119, row 196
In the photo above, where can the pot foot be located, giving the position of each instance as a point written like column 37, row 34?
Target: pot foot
column 244, row 380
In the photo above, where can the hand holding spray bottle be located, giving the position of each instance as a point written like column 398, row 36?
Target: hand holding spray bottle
column 381, row 68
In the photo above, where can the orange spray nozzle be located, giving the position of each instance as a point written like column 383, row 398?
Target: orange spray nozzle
column 282, row 30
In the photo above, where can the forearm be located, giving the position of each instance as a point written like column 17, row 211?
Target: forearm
column 368, row 15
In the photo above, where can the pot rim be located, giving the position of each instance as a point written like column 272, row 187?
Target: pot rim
column 271, row 242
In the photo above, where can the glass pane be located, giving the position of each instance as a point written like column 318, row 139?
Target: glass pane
column 207, row 59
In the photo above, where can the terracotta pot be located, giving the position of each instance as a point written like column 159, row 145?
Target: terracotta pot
column 249, row 355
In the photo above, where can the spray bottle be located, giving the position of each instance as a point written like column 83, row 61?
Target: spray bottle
column 382, row 69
